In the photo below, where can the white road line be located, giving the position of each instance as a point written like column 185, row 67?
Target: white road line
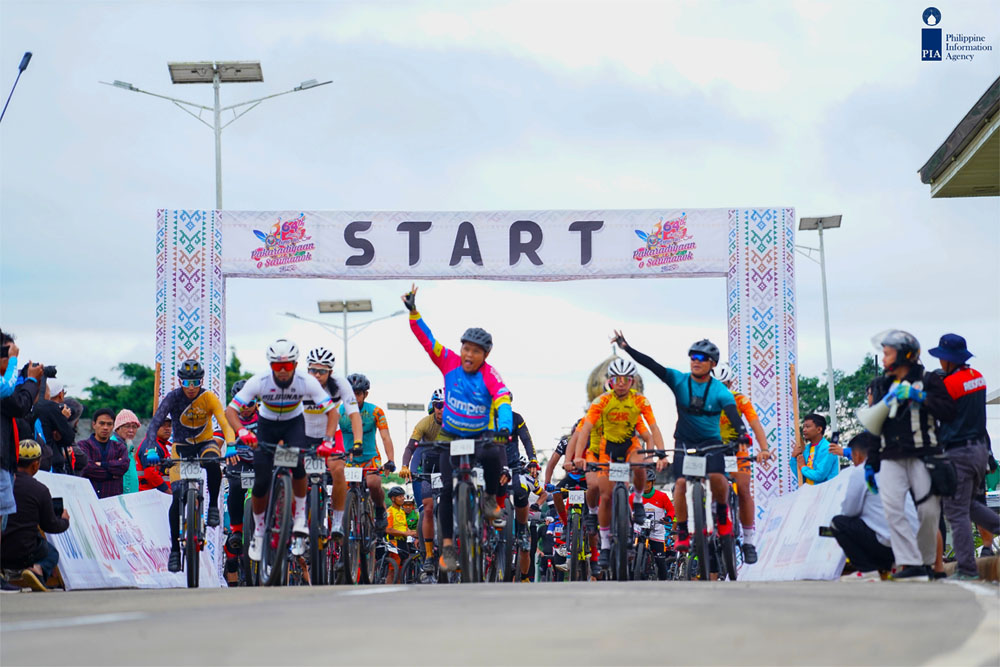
column 71, row 621
column 376, row 590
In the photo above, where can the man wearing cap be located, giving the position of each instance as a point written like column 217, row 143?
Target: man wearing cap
column 964, row 442
column 52, row 422
column 23, row 547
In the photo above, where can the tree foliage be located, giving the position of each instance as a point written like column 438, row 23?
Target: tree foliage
column 234, row 373
column 850, row 391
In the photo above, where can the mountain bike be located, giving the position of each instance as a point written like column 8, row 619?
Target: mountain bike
column 643, row 561
column 619, row 472
column 320, row 510
column 439, row 576
column 274, row 562
column 358, row 545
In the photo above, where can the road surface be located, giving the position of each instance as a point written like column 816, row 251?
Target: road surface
column 798, row 623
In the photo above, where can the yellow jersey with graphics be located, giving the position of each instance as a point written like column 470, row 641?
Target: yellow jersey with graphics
column 618, row 418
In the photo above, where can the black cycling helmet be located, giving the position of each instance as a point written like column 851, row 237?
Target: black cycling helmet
column 359, row 382
column 239, row 384
column 480, row 337
column 706, row 347
column 906, row 345
column 397, row 491
column 190, row 370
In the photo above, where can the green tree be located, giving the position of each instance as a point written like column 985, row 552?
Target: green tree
column 850, row 389
column 234, row 373
column 136, row 394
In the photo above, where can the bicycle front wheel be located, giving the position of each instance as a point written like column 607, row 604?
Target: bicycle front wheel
column 350, row 552
column 277, row 531
column 248, row 568
column 468, row 535
column 317, row 540
column 622, row 528
column 192, row 534
column 576, row 550
column 699, row 540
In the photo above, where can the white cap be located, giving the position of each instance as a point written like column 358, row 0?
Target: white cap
column 55, row 387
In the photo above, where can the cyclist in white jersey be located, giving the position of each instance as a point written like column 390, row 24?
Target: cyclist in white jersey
column 320, row 365
column 280, row 394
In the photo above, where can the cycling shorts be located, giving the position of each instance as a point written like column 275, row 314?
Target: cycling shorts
column 744, row 464
column 568, row 482
column 373, row 462
column 207, row 448
column 716, row 460
column 617, row 451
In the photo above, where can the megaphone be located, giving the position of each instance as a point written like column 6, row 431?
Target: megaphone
column 874, row 416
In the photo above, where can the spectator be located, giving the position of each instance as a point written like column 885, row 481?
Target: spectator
column 9, row 352
column 150, row 475
column 817, row 462
column 964, row 442
column 24, row 548
column 126, row 425
column 412, row 515
column 909, row 436
column 52, row 424
column 861, row 529
column 13, row 406
column 107, row 459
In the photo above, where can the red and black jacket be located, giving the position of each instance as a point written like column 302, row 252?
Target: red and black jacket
column 967, row 387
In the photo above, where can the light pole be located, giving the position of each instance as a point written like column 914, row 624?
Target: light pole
column 819, row 224
column 345, row 332
column 216, row 74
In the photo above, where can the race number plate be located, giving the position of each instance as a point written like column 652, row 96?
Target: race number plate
column 576, row 497
column 480, row 479
column 190, row 470
column 463, row 447
column 647, row 524
column 286, row 457
column 694, row 466
column 618, row 472
column 436, row 482
column 353, row 473
column 315, row 466
column 246, row 480
column 731, row 464
column 391, row 548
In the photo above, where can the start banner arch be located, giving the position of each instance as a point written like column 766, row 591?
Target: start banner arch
column 753, row 248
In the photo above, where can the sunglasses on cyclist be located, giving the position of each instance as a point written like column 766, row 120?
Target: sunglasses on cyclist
column 190, row 383
column 319, row 371
column 698, row 356
column 283, row 366
column 437, row 406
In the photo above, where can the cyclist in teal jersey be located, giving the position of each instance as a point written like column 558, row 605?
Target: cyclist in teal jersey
column 701, row 399
column 366, row 452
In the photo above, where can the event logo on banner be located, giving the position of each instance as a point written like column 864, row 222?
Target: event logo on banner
column 495, row 245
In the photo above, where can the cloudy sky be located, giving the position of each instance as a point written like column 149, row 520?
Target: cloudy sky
column 480, row 106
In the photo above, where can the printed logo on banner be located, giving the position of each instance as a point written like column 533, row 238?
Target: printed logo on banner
column 285, row 245
column 951, row 46
column 668, row 245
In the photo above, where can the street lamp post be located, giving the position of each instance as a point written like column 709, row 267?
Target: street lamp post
column 216, row 73
column 819, row 224
column 345, row 332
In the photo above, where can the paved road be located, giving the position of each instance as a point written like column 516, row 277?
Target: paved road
column 630, row 623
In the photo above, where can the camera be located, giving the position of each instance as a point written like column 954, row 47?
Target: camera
column 4, row 351
column 47, row 371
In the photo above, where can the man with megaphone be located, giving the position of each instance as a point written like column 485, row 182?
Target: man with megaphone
column 906, row 404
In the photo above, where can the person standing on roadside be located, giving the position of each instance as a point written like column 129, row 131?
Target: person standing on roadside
column 916, row 400
column 107, row 459
column 52, row 419
column 814, row 458
column 126, row 425
column 964, row 442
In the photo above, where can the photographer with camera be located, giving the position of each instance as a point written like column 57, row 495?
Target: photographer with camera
column 52, row 425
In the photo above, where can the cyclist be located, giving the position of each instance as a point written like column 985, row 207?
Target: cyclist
column 725, row 376
column 426, row 430
column 320, row 365
column 151, row 474
column 190, row 409
column 473, row 391
column 700, row 400
column 412, row 515
column 531, row 490
column 366, row 452
column 397, row 530
column 236, row 465
column 521, row 492
column 280, row 394
column 618, row 411
column 658, row 507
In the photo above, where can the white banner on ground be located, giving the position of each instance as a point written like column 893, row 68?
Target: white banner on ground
column 788, row 543
column 120, row 542
column 495, row 245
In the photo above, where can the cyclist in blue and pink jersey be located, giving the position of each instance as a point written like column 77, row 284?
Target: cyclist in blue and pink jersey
column 473, row 392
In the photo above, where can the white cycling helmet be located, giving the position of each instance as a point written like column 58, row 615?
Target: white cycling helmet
column 282, row 350
column 621, row 367
column 321, row 357
column 723, row 373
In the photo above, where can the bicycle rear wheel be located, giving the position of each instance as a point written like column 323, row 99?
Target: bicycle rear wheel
column 621, row 524
column 192, row 522
column 699, row 540
column 368, row 542
column 249, row 569
column 506, row 551
column 350, row 552
column 277, row 531
column 575, row 546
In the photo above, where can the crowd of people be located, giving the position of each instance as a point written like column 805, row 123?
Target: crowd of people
column 922, row 462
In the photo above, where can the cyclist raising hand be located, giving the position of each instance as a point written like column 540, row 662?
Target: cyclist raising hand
column 472, row 391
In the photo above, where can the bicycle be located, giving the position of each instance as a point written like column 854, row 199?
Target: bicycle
column 192, row 514
column 320, row 519
column 619, row 472
column 274, row 561
column 434, row 479
column 358, row 546
column 577, row 540
column 643, row 562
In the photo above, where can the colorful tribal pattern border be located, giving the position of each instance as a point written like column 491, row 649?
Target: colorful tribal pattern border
column 762, row 323
column 190, row 296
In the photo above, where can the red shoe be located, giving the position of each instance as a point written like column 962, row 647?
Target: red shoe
column 682, row 545
column 725, row 529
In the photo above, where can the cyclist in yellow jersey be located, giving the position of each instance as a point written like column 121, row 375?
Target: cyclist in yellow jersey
column 619, row 411
column 725, row 375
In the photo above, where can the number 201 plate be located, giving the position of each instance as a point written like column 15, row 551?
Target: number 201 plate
column 315, row 466
column 618, row 472
column 732, row 465
column 190, row 470
column 694, row 466
column 286, row 457
column 576, row 497
column 463, row 447
column 353, row 473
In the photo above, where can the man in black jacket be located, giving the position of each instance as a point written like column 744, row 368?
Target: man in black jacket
column 13, row 407
column 916, row 400
column 23, row 546
column 53, row 417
